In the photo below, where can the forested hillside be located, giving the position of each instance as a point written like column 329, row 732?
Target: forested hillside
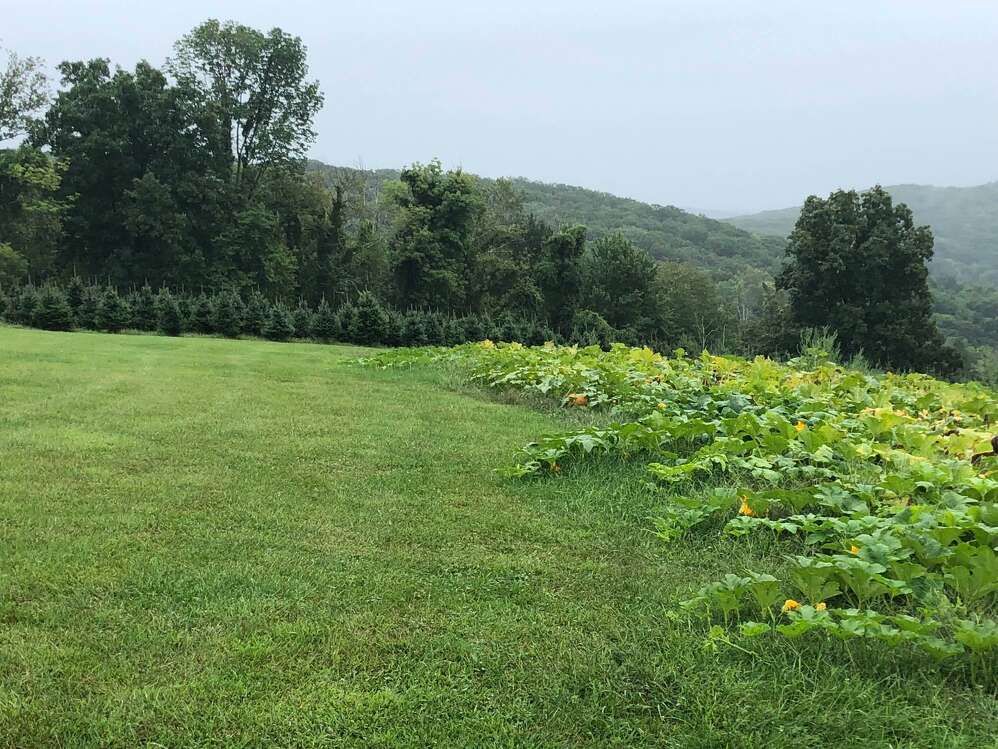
column 964, row 221
column 665, row 232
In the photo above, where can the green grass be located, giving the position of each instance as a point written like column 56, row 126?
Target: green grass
column 237, row 543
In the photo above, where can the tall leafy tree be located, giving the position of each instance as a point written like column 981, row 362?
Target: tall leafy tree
column 432, row 248
column 560, row 276
column 620, row 285
column 31, row 212
column 23, row 91
column 857, row 264
column 257, row 86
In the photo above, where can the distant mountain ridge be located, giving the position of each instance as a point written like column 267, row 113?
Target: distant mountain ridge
column 964, row 221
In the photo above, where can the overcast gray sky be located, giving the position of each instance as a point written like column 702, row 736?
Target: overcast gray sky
column 720, row 106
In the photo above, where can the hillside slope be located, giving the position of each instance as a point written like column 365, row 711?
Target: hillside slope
column 963, row 219
column 666, row 232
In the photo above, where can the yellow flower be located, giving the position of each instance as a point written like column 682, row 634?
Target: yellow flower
column 800, row 426
column 789, row 605
column 820, row 606
column 745, row 509
column 854, row 549
column 661, row 406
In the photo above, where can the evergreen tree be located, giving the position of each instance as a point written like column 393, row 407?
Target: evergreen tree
column 857, row 264
column 113, row 314
column 346, row 315
column 86, row 313
column 474, row 328
column 168, row 317
column 325, row 326
column 26, row 305
column 280, row 325
column 302, row 319
column 75, row 290
column 257, row 314
column 434, row 326
column 413, row 329
column 227, row 317
column 202, row 318
column 53, row 311
column 369, row 323
column 143, row 305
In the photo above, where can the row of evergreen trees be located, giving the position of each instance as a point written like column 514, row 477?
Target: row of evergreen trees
column 363, row 321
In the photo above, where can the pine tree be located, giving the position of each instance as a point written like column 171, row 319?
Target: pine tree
column 346, row 315
column 280, row 325
column 413, row 329
column 113, row 314
column 227, row 317
column 303, row 321
column 257, row 314
column 325, row 326
column 168, row 317
column 202, row 316
column 370, row 321
column 393, row 328
column 86, row 313
column 454, row 332
column 53, row 311
column 474, row 328
column 143, row 305
column 75, row 290
column 434, row 329
column 26, row 302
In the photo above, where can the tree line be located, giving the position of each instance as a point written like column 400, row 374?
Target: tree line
column 188, row 183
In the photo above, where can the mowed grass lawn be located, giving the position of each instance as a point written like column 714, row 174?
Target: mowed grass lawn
column 239, row 543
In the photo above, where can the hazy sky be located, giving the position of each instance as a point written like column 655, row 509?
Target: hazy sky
column 712, row 105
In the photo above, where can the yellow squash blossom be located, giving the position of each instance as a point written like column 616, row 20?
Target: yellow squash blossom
column 745, row 509
column 790, row 605
column 820, row 606
column 854, row 549
column 800, row 426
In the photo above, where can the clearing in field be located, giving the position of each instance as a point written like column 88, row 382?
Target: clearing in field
column 236, row 543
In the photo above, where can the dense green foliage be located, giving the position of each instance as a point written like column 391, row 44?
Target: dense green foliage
column 883, row 487
column 857, row 265
column 236, row 543
column 963, row 220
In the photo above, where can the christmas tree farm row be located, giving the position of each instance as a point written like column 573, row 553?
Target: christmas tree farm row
column 364, row 321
